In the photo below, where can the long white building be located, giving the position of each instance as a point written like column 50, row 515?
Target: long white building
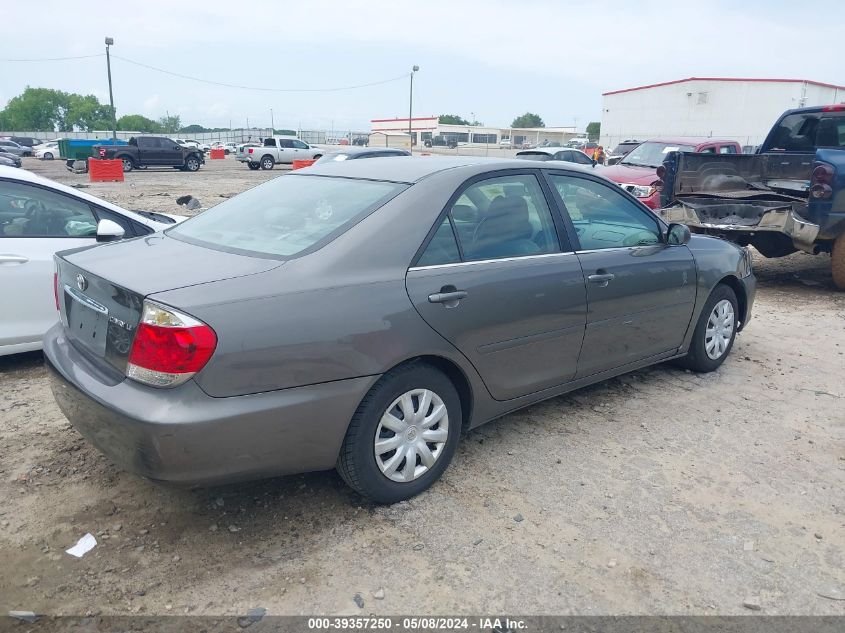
column 739, row 109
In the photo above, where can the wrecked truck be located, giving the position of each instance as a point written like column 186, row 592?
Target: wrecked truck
column 788, row 197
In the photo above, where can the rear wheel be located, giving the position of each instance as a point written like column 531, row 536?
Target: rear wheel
column 403, row 435
column 128, row 164
column 267, row 162
column 837, row 262
column 254, row 166
column 715, row 332
column 48, row 156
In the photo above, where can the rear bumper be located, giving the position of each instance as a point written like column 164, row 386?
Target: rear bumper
column 781, row 220
column 184, row 436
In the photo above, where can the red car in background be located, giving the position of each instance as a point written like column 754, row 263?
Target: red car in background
column 636, row 173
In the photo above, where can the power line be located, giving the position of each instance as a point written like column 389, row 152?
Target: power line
column 53, row 59
column 259, row 88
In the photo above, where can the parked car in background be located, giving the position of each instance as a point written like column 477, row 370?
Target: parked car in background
column 636, row 172
column 620, row 151
column 361, row 141
column 354, row 153
column 153, row 151
column 47, row 151
column 273, row 349
column 26, row 141
column 11, row 147
column 279, row 149
column 10, row 160
column 588, row 148
column 788, row 197
column 228, row 148
column 37, row 218
column 505, row 143
column 566, row 154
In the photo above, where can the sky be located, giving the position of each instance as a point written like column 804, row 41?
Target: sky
column 491, row 59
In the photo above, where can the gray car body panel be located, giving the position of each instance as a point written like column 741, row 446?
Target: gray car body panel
column 300, row 343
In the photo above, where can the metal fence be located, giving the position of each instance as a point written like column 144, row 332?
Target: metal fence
column 224, row 136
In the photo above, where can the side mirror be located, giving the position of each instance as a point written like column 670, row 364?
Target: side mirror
column 109, row 231
column 678, row 234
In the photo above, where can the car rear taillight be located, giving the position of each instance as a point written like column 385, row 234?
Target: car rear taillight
column 822, row 179
column 169, row 347
column 102, row 152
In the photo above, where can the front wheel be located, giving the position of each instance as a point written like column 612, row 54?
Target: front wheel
column 267, row 162
column 192, row 163
column 403, row 435
column 128, row 164
column 254, row 166
column 837, row 262
column 48, row 156
column 715, row 331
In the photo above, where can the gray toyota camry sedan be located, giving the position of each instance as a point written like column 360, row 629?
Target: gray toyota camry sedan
column 361, row 315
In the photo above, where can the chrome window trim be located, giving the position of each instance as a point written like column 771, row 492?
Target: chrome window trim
column 490, row 261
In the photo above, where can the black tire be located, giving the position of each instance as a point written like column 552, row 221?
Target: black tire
column 128, row 164
column 267, row 162
column 357, row 462
column 254, row 166
column 697, row 359
column 48, row 156
column 317, row 157
column 225, row 152
column 192, row 163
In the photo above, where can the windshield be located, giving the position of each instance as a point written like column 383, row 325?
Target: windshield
column 534, row 156
column 287, row 215
column 624, row 148
column 652, row 154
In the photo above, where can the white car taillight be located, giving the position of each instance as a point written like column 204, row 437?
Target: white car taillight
column 169, row 347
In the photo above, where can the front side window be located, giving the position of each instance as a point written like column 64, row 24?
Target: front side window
column 28, row 211
column 286, row 216
column 300, row 145
column 581, row 158
column 604, row 217
column 727, row 149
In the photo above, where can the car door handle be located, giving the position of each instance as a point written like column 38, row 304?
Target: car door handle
column 13, row 259
column 602, row 279
column 448, row 297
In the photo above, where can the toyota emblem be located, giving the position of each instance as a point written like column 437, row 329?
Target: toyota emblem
column 81, row 282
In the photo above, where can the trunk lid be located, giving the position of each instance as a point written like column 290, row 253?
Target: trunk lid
column 101, row 289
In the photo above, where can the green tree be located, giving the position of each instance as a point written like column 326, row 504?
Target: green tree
column 138, row 123
column 194, row 129
column 87, row 113
column 37, row 109
column 284, row 132
column 529, row 119
column 170, row 124
column 452, row 119
column 593, row 130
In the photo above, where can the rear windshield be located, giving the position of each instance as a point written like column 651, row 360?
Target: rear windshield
column 805, row 131
column 534, row 156
column 287, row 215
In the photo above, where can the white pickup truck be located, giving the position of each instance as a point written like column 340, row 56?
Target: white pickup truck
column 279, row 149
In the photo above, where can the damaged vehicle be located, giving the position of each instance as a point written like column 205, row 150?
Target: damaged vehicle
column 788, row 197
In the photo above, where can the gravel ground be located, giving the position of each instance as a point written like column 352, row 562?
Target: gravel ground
column 659, row 492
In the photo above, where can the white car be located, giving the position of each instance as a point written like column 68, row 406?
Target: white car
column 37, row 218
column 46, row 151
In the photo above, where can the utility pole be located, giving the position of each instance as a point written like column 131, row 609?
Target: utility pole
column 109, row 42
column 414, row 69
column 272, row 123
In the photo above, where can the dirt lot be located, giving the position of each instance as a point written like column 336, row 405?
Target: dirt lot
column 660, row 492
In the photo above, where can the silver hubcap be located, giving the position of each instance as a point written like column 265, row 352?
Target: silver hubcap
column 411, row 435
column 720, row 329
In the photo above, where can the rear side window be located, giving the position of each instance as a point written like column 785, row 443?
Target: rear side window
column 727, row 149
column 496, row 218
column 286, row 216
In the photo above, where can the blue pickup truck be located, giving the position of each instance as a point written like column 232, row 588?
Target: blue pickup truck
column 789, row 196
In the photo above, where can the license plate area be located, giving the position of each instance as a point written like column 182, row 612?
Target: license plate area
column 87, row 321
